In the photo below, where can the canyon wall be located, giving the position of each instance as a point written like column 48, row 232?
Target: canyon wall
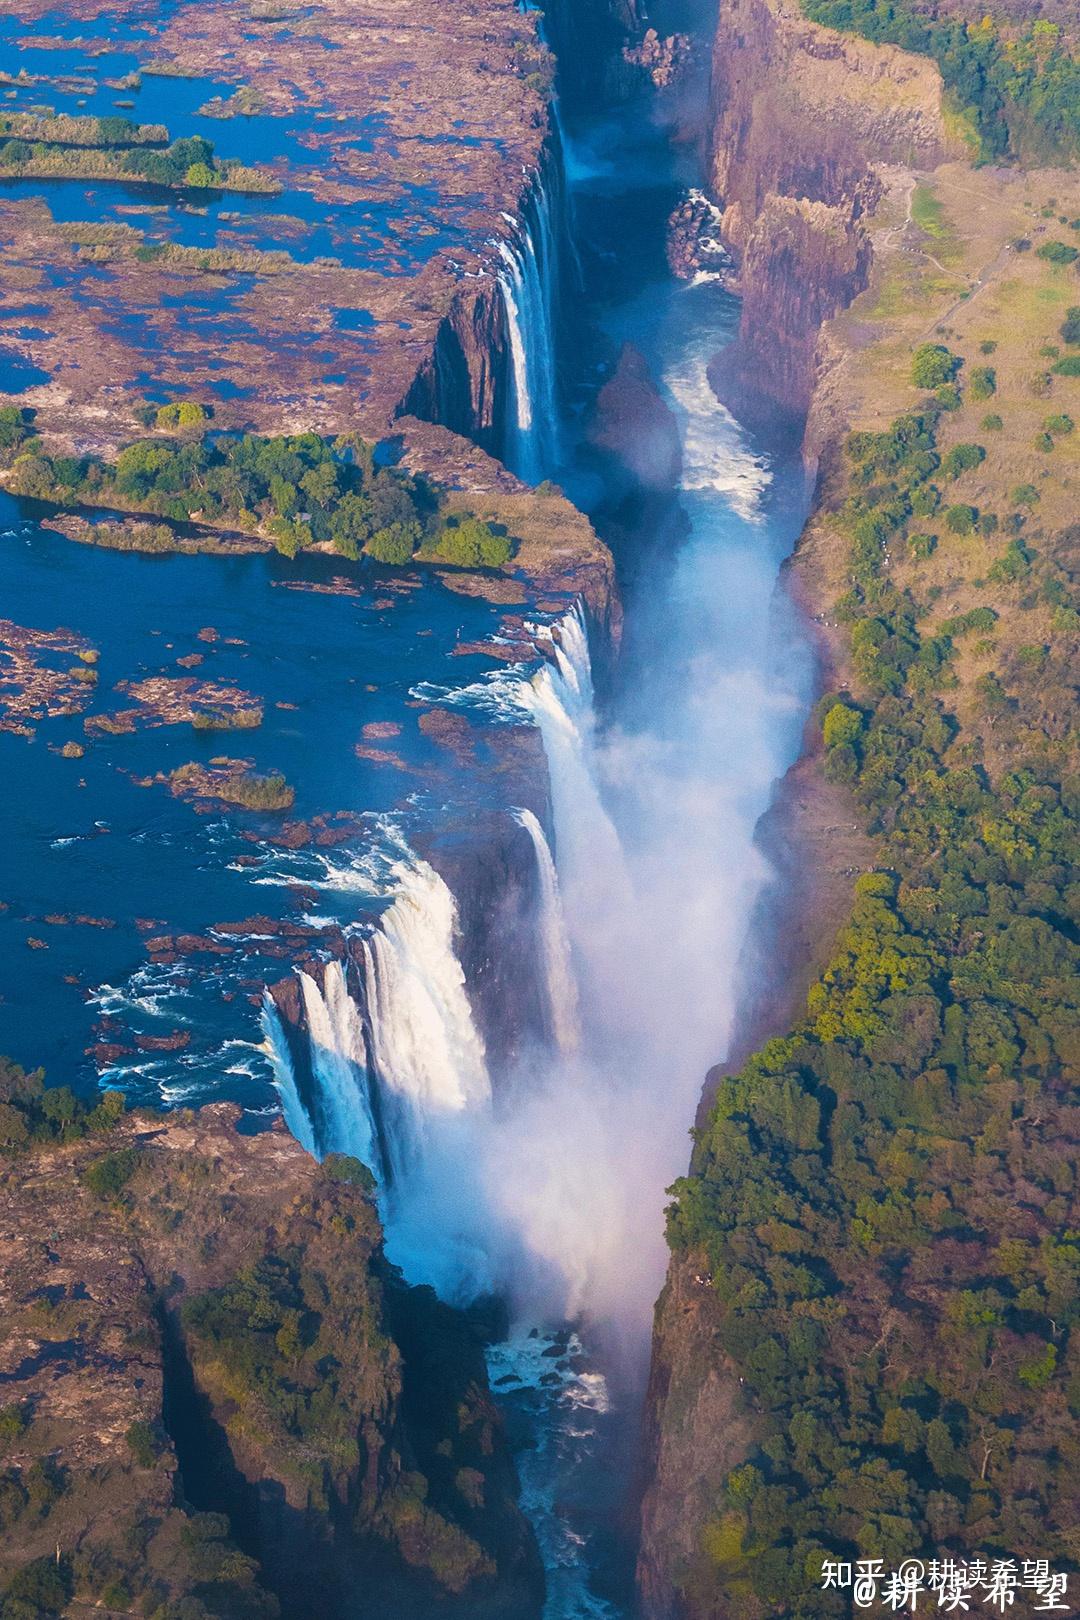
column 209, row 1343
column 802, row 122
column 463, row 381
column 806, row 132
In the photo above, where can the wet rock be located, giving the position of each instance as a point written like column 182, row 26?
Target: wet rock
column 665, row 60
column 176, row 1041
column 694, row 244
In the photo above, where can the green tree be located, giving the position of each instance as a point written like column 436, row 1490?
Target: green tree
column 982, row 382
column 933, row 365
column 843, row 726
column 961, row 519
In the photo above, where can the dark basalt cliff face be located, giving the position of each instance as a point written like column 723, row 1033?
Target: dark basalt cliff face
column 463, row 382
column 697, row 1430
column 801, row 120
column 213, row 1347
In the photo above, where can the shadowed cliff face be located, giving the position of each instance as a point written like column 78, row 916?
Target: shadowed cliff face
column 801, row 121
column 697, row 1429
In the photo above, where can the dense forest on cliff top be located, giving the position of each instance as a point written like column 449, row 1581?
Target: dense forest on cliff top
column 1015, row 84
column 887, row 1199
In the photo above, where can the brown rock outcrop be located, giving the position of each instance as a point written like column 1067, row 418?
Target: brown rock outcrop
column 138, row 1347
column 635, row 426
column 697, row 1430
column 801, row 121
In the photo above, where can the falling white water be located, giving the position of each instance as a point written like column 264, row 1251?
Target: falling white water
column 277, row 1050
column 339, row 1066
column 561, row 987
column 527, row 281
column 511, row 284
column 426, row 1051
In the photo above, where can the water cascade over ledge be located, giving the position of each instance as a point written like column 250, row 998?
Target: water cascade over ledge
column 529, row 280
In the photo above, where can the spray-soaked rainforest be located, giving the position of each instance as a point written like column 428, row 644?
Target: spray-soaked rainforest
column 542, row 948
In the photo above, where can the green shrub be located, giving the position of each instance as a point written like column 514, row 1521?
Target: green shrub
column 1060, row 425
column 394, row 545
column 843, row 726
column 1043, row 442
column 470, row 543
column 1070, row 326
column 15, row 426
column 992, row 423
column 184, row 413
column 980, row 618
column 142, row 1443
column 922, row 545
column 1014, row 565
column 1024, row 495
column 38, row 1591
column 962, row 457
column 1057, row 253
column 353, row 1172
column 14, row 1421
column 1069, row 367
column 982, row 382
column 933, row 365
column 925, row 501
column 961, row 519
column 108, row 1176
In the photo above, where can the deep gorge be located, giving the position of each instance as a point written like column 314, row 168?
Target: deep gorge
column 663, row 777
column 560, row 843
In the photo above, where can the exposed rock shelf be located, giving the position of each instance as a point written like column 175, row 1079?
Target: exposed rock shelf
column 375, row 1447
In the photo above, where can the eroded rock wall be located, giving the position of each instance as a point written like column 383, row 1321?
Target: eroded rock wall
column 217, row 1330
column 697, row 1429
column 802, row 122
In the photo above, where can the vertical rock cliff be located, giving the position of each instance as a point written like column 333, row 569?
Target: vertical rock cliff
column 801, row 123
column 697, row 1429
column 805, row 129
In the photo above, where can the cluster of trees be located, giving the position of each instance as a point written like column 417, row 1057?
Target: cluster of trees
column 266, row 1329
column 888, row 1198
column 33, row 1115
column 298, row 489
column 16, row 426
column 117, row 149
column 1020, row 87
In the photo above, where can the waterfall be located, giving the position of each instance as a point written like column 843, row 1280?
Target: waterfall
column 602, row 917
column 426, row 1052
column 339, row 1067
column 597, row 895
column 528, row 277
column 277, row 1050
column 554, row 944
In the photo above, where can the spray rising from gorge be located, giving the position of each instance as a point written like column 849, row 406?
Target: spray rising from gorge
column 546, row 1182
